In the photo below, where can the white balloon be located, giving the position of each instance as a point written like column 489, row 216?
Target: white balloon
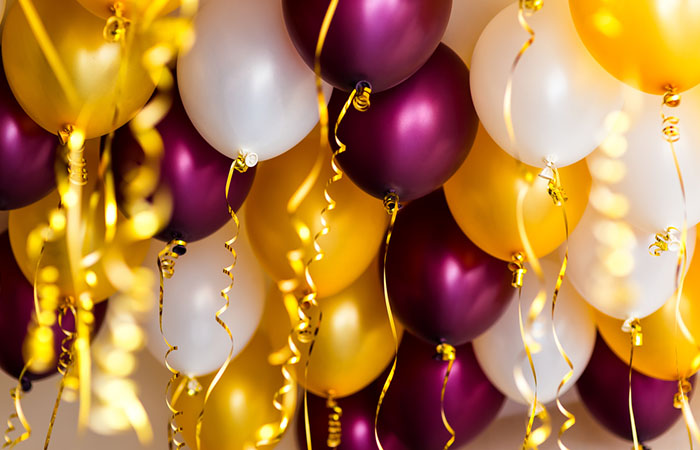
column 614, row 271
column 243, row 84
column 192, row 297
column 500, row 349
column 560, row 95
column 650, row 183
column 467, row 21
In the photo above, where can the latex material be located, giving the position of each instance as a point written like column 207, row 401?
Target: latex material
column 483, row 195
column 92, row 65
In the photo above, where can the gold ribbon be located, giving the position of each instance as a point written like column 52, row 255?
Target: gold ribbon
column 634, row 328
column 334, row 425
column 166, row 268
column 680, row 401
column 16, row 395
column 449, row 354
column 391, row 205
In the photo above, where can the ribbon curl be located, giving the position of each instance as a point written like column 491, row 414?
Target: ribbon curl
column 446, row 352
column 16, row 395
column 634, row 328
column 334, row 424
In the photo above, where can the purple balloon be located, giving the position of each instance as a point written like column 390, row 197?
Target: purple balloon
column 191, row 170
column 442, row 287
column 603, row 388
column 27, row 152
column 414, row 136
column 412, row 406
column 382, row 43
column 17, row 311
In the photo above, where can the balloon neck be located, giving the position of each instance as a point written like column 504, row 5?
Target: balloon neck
column 681, row 397
column 244, row 161
column 73, row 139
column 361, row 95
column 167, row 257
column 634, row 328
column 531, row 5
column 665, row 241
column 445, row 352
column 671, row 97
column 194, row 387
column 516, row 265
column 554, row 186
column 334, row 425
column 115, row 28
column 391, row 202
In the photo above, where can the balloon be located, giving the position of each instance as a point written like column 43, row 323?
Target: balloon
column 648, row 44
column 131, row 9
column 412, row 405
column 25, row 220
column 604, row 386
column 614, row 270
column 193, row 296
column 467, row 21
column 27, row 152
column 356, row 423
column 354, row 342
column 560, row 96
column 413, row 137
column 666, row 353
column 92, row 67
column 17, row 312
column 500, row 349
column 650, row 182
column 357, row 224
column 483, row 195
column 240, row 403
column 243, row 84
column 381, row 44
column 442, row 287
column 191, row 171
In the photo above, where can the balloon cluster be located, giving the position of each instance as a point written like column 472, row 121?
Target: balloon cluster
column 540, row 230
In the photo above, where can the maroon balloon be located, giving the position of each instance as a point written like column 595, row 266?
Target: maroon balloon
column 603, row 388
column 414, row 136
column 16, row 313
column 191, row 170
column 412, row 406
column 27, row 152
column 442, row 287
column 382, row 42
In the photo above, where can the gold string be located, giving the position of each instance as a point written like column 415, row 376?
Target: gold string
column 16, row 395
column 634, row 328
column 680, row 401
column 391, row 205
column 166, row 268
column 116, row 25
column 449, row 354
column 322, row 106
column 334, row 425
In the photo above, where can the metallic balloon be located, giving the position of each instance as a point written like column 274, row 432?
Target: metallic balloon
column 414, row 136
column 442, row 287
column 381, row 43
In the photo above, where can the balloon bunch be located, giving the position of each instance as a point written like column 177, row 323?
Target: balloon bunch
column 540, row 230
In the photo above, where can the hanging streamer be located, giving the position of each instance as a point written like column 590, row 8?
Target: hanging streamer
column 446, row 352
column 334, row 426
column 680, row 401
column 634, row 328
column 391, row 205
column 16, row 395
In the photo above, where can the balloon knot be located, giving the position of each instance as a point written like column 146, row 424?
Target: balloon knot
column 665, row 241
column 391, row 202
column 554, row 187
column 361, row 100
column 516, row 266
column 532, row 5
column 334, row 425
column 446, row 352
column 244, row 161
column 168, row 256
column 634, row 327
column 672, row 98
column 684, row 388
column 116, row 25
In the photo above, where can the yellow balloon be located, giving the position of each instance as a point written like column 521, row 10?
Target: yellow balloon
column 483, row 194
column 241, row 403
column 657, row 356
column 131, row 9
column 648, row 44
column 89, row 86
column 354, row 343
column 357, row 224
column 23, row 221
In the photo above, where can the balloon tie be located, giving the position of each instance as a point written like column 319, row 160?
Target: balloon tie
column 446, row 352
column 334, row 425
column 634, row 328
column 680, row 401
column 516, row 265
column 392, row 206
column 166, row 269
column 116, row 25
column 361, row 101
column 16, row 395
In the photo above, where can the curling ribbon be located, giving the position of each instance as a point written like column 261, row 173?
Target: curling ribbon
column 559, row 197
column 334, row 424
column 446, row 352
column 634, row 328
column 116, row 25
column 166, row 268
column 240, row 164
column 680, row 401
column 65, row 364
column 16, row 395
column 391, row 205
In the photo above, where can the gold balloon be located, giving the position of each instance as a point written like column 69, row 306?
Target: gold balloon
column 131, row 9
column 23, row 221
column 354, row 343
column 357, row 224
column 89, row 86
column 483, row 195
column 241, row 403
column 662, row 342
column 648, row 44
